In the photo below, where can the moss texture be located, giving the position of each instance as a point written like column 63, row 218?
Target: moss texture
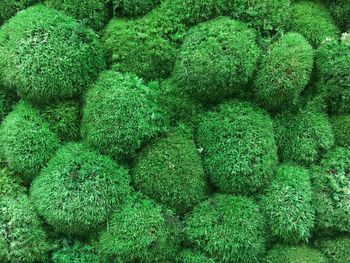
column 7, row 100
column 336, row 249
column 298, row 254
column 341, row 130
column 133, row 8
column 189, row 256
column 76, row 252
column 11, row 7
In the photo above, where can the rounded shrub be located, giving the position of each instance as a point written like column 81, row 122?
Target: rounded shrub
column 78, row 189
column 336, row 249
column 304, row 136
column 313, row 21
column 75, row 251
column 144, row 52
column 216, row 60
column 189, row 256
column 333, row 69
column 11, row 7
column 7, row 100
column 9, row 185
column 142, row 232
column 341, row 130
column 22, row 238
column 239, row 148
column 92, row 13
column 47, row 55
column 26, row 141
column 133, row 7
column 287, row 205
column 120, row 113
column 170, row 171
column 331, row 191
column 227, row 228
column 296, row 254
column 284, row 72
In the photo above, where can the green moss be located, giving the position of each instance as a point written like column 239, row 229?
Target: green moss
column 287, row 205
column 22, row 238
column 189, row 256
column 47, row 55
column 340, row 11
column 216, row 60
column 75, row 251
column 336, row 249
column 284, row 72
column 239, row 148
column 300, row 254
column 92, row 13
column 78, row 189
column 331, row 197
column 11, row 7
column 313, row 21
column 7, row 100
column 170, row 171
column 227, row 228
column 141, row 232
column 120, row 114
column 9, row 185
column 341, row 130
column 304, row 136
column 27, row 142
column 133, row 7
column 144, row 53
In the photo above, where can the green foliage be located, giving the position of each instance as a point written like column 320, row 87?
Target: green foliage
column 26, row 141
column 340, row 11
column 144, row 52
column 22, row 238
column 239, row 149
column 78, row 189
column 188, row 256
column 142, row 232
column 287, row 205
column 284, row 72
column 133, row 7
column 228, row 228
column 341, row 130
column 313, row 21
column 336, row 249
column 299, row 254
column 304, row 136
column 47, row 55
column 331, row 191
column 92, row 13
column 11, row 7
column 9, row 185
column 120, row 113
column 170, row 171
column 333, row 68
column 216, row 60
column 7, row 100
column 63, row 119
column 75, row 252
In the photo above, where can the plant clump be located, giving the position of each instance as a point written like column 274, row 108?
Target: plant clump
column 295, row 254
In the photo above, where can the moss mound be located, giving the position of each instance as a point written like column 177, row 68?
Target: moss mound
column 78, row 189
column 75, row 251
column 216, row 60
column 26, row 141
column 295, row 255
column 142, row 231
column 120, row 113
column 239, row 147
column 284, row 72
column 133, row 7
column 47, row 55
column 341, row 130
column 238, row 217
column 336, row 249
column 11, row 7
column 287, row 205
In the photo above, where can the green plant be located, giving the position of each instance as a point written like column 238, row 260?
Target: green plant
column 9, row 185
column 336, row 249
column 26, row 141
column 170, row 171
column 47, row 55
column 189, row 256
column 75, row 252
column 216, row 60
column 133, row 7
column 120, row 114
column 341, row 130
column 297, row 254
column 239, row 148
column 228, row 229
column 340, row 11
column 11, row 7
column 142, row 232
column 284, row 72
column 78, row 189
column 287, row 205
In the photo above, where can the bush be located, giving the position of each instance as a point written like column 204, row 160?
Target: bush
column 228, row 228
column 92, row 13
column 133, row 7
column 141, row 232
column 284, row 72
column 331, row 186
column 26, row 141
column 11, row 7
column 144, row 53
column 47, row 55
column 216, row 60
column 333, row 68
column 188, row 256
column 170, row 171
column 120, row 114
column 313, row 21
column 337, row 249
column 297, row 254
column 304, row 136
column 75, row 251
column 78, row 189
column 22, row 238
column 238, row 146
column 287, row 205
column 7, row 100
column 341, row 130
